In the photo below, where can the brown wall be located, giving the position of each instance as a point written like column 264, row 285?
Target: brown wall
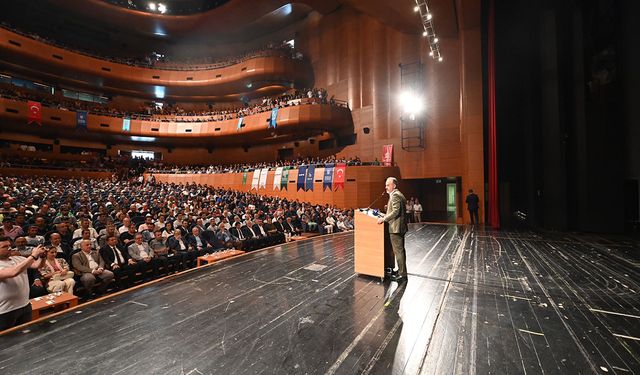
column 356, row 58
column 362, row 185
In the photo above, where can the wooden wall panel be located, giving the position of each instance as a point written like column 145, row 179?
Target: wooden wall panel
column 356, row 58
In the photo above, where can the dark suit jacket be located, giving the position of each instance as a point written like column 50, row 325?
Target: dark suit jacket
column 289, row 227
column 472, row 201
column 193, row 244
column 256, row 228
column 234, row 233
column 174, row 245
column 247, row 233
column 279, row 227
column 109, row 258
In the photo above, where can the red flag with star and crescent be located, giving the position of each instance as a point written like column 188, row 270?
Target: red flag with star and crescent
column 338, row 178
column 35, row 112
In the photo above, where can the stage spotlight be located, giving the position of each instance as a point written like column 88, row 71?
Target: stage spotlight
column 425, row 33
column 162, row 8
column 416, row 8
column 440, row 59
column 152, row 6
column 435, row 40
column 411, row 103
column 429, row 16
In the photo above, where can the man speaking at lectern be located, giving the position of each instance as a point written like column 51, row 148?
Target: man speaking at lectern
column 396, row 213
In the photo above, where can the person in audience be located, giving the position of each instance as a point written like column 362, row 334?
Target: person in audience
column 279, row 225
column 33, row 238
column 66, row 236
column 196, row 242
column 41, row 224
column 56, row 274
column 291, row 228
column 126, row 223
column 128, row 237
column 62, row 250
column 179, row 246
column 22, row 247
column 167, row 231
column 142, row 253
column 104, row 234
column 225, row 237
column 9, row 229
column 86, row 236
column 160, row 247
column 64, row 215
column 118, row 262
column 15, row 308
column 85, row 225
column 91, row 268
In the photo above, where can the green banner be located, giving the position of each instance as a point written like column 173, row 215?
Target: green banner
column 285, row 178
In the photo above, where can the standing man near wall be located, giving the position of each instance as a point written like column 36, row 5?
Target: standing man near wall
column 473, row 203
column 396, row 217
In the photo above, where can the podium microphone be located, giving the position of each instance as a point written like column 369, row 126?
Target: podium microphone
column 377, row 199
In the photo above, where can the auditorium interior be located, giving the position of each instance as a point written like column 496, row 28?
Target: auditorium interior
column 319, row 187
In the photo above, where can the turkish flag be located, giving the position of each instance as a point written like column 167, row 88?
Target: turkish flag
column 338, row 179
column 35, row 112
column 387, row 155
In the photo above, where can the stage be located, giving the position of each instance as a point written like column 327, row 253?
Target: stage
column 476, row 302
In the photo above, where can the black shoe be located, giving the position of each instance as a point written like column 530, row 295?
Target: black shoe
column 398, row 278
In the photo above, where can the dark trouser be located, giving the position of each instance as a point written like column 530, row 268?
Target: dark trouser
column 474, row 216
column 397, row 243
column 15, row 317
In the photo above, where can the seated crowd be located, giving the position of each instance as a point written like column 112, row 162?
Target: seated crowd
column 172, row 112
column 99, row 232
column 168, row 62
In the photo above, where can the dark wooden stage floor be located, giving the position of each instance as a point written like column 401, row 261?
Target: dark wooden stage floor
column 476, row 302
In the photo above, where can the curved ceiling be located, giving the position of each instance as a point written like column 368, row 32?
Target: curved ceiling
column 239, row 24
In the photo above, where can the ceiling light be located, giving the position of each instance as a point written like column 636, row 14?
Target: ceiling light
column 162, row 8
column 429, row 16
column 152, row 6
column 416, row 8
column 440, row 59
column 425, row 33
column 435, row 40
column 431, row 53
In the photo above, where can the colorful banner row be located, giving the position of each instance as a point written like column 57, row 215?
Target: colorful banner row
column 333, row 177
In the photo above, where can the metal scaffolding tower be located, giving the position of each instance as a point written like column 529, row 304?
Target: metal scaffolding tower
column 412, row 122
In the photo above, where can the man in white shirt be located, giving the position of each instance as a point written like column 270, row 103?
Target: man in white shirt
column 85, row 225
column 417, row 211
column 15, row 308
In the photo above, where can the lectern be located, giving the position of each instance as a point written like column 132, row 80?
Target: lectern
column 373, row 252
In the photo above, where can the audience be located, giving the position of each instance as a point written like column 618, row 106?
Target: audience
column 172, row 112
column 56, row 273
column 134, row 225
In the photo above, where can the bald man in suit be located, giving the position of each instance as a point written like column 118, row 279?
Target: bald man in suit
column 396, row 217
